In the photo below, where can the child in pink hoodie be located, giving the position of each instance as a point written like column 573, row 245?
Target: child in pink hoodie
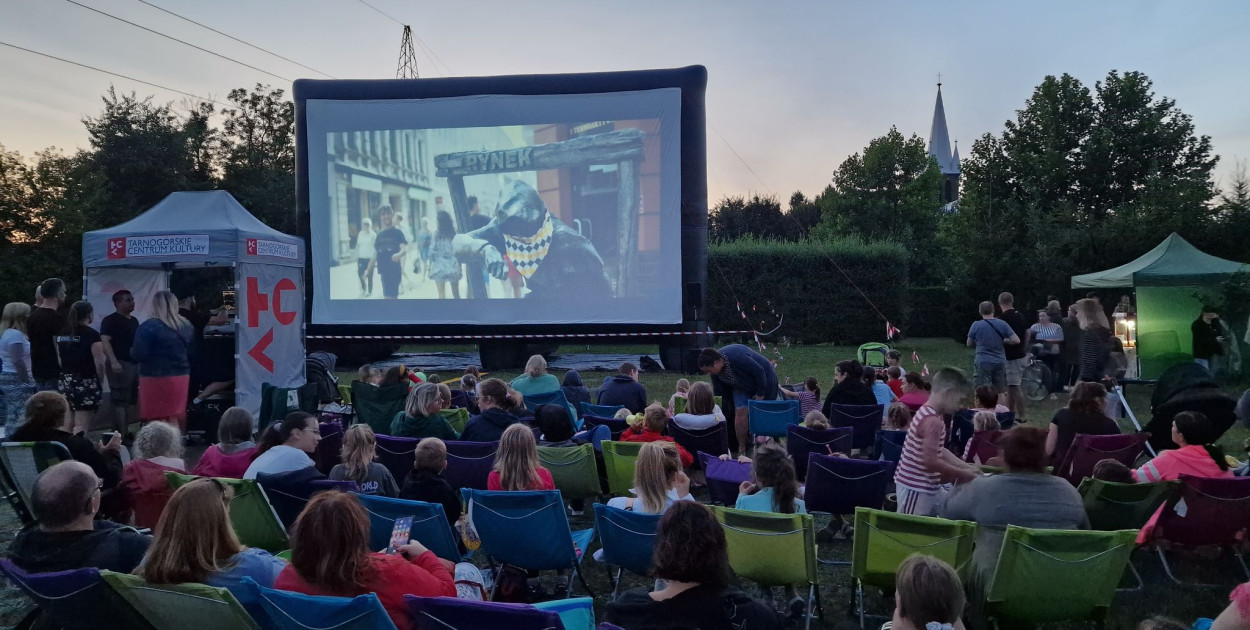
column 1190, row 431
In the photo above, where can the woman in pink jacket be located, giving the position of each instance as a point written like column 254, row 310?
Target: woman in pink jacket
column 1190, row 430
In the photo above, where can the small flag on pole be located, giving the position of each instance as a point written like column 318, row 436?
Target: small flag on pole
column 890, row 330
column 925, row 371
column 915, row 358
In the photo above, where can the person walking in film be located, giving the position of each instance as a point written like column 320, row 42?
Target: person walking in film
column 553, row 260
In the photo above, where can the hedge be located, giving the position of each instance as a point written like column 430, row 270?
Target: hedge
column 929, row 312
column 799, row 282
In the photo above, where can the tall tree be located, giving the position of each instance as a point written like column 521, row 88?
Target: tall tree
column 735, row 217
column 258, row 155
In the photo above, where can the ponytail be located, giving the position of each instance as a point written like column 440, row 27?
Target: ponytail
column 1217, row 454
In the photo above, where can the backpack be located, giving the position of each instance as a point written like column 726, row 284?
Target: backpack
column 319, row 370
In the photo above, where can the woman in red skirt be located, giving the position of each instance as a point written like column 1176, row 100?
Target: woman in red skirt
column 160, row 347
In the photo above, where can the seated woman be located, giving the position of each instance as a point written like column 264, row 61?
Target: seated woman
column 516, row 463
column 234, row 450
column 536, row 380
column 1191, row 431
column 49, row 419
column 195, row 542
column 496, row 413
column 702, row 412
column 360, row 447
column 158, row 448
column 774, row 486
column 1084, row 415
column 651, row 429
column 692, row 559
column 1026, row 495
column 848, row 387
column 330, row 555
column 928, row 595
column 915, row 391
column 987, row 400
column 575, row 391
column 658, row 481
column 286, row 445
column 420, row 417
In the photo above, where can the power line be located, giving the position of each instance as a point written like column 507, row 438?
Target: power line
column 434, row 58
column 187, row 19
column 384, row 13
column 744, row 162
column 155, row 32
column 128, row 78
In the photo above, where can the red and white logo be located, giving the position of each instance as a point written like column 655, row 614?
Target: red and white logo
column 117, row 248
column 251, row 247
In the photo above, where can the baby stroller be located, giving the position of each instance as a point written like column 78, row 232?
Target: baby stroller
column 1187, row 387
column 873, row 354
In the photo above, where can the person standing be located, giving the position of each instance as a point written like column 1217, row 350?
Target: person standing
column 739, row 374
column 42, row 327
column 1070, row 350
column 444, row 268
column 403, row 227
column 390, row 246
column 16, row 384
column 479, row 280
column 83, row 366
column 1049, row 335
column 161, row 349
column 1208, row 342
column 1015, row 353
column 365, row 252
column 204, row 363
column 925, row 463
column 1095, row 340
column 990, row 336
column 117, row 330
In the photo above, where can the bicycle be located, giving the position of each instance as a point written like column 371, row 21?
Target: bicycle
column 1036, row 379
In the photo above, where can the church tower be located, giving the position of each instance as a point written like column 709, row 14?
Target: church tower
column 940, row 148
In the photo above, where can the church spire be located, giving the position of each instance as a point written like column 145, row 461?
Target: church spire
column 939, row 139
column 955, row 159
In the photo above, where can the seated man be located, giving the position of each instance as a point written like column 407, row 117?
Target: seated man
column 66, row 535
column 624, row 389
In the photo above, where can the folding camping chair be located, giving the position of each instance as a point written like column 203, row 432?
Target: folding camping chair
column 888, row 445
column 573, row 469
column 617, row 427
column 276, row 402
column 1114, row 506
column 457, row 417
column 713, row 440
column 429, row 524
column 628, row 540
column 864, row 420
column 469, row 463
column 449, row 613
column 376, row 406
column 960, row 429
column 600, row 411
column 21, row 463
column 173, row 606
column 328, row 449
column 288, row 492
column 982, row 447
column 619, row 459
column 772, row 418
column 398, row 455
column 723, row 478
column 1205, row 511
column 773, row 550
column 1045, row 576
column 251, row 515
column 802, row 441
column 283, row 610
column 577, row 613
column 884, row 539
column 557, row 397
column 839, row 485
column 1087, row 450
column 528, row 530
column 74, row 600
column 679, row 404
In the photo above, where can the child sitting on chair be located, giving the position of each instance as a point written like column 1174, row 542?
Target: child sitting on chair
column 651, row 429
column 816, row 420
column 897, row 417
column 683, row 388
column 808, row 397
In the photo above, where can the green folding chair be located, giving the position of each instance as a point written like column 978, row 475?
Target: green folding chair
column 773, row 550
column 254, row 520
column 573, row 469
column 20, row 465
column 618, row 460
column 1114, row 506
column 1049, row 575
column 457, row 417
column 181, row 606
column 884, row 539
column 679, row 404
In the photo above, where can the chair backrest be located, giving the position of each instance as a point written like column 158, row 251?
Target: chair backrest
column 527, row 529
column 801, row 441
column 1087, row 450
column 252, row 517
column 74, row 600
column 984, row 446
column 1044, row 576
column 276, row 402
column 1206, row 511
column 772, row 549
column 864, row 421
column 449, row 613
column 469, row 463
column 888, row 445
column 959, row 430
column 175, row 606
column 376, row 405
column 723, row 478
column 397, row 454
column 714, row 440
column 288, row 492
column 557, row 397
column 884, row 539
column 460, row 399
column 600, row 411
column 328, row 449
column 429, row 524
column 772, row 417
column 573, row 469
column 619, row 459
column 284, row 610
column 616, row 427
column 1006, row 420
column 457, row 417
column 1112, row 506
column 23, row 461
column 576, row 613
column 838, row 485
column 628, row 537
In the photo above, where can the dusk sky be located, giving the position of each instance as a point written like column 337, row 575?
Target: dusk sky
column 794, row 87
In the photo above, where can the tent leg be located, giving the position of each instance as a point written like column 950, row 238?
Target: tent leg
column 1119, row 390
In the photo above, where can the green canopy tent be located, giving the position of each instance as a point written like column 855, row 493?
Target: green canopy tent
column 1166, row 280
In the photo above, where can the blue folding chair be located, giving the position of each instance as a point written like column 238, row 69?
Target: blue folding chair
column 723, row 478
column 889, row 445
column 283, row 610
column 772, row 418
column 628, row 540
column 577, row 613
column 617, row 427
column 397, row 454
column 529, row 530
column 75, row 600
column 801, row 441
column 959, row 430
column 469, row 463
column 429, row 524
column 602, row 411
column 864, row 421
column 449, row 613
column 713, row 440
column 532, row 402
column 288, row 492
column 838, row 485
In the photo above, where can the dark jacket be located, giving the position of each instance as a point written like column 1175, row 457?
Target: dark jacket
column 110, row 546
column 404, row 425
column 851, row 391
column 161, row 350
column 80, row 448
column 1071, row 340
column 1016, row 321
column 623, row 390
column 575, row 391
column 1205, row 344
column 488, row 426
column 753, row 373
column 703, row 607
column 423, row 485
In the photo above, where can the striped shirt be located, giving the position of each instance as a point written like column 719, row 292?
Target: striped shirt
column 911, row 472
column 807, row 402
column 1047, row 332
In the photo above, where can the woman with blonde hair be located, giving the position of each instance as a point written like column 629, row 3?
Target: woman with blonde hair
column 16, row 383
column 536, row 380
column 1095, row 344
column 157, row 449
column 516, row 463
column 360, row 446
column 195, row 542
column 420, row 417
column 702, row 412
column 160, row 347
column 658, row 480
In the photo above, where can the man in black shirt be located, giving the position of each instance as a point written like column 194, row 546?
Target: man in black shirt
column 1015, row 352
column 43, row 326
column 1208, row 340
column 391, row 246
column 118, row 333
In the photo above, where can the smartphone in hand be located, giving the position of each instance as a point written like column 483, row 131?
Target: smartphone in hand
column 399, row 535
column 106, row 437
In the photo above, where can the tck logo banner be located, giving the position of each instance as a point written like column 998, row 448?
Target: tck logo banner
column 160, row 245
column 276, row 249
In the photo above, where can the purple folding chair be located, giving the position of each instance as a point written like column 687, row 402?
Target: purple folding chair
column 1087, row 450
column 327, row 454
column 1206, row 511
column 712, row 440
column 982, row 446
column 74, row 600
column 469, row 463
column 397, row 454
column 838, row 485
column 617, row 427
column 864, row 421
column 450, row 613
column 801, row 441
column 723, row 478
